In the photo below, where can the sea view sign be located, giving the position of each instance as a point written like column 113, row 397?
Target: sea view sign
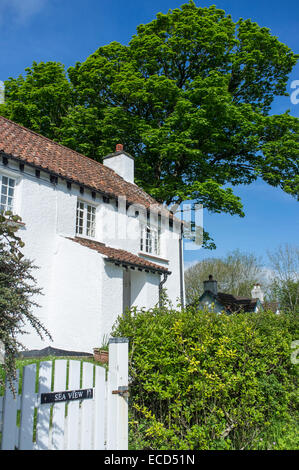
column 68, row 395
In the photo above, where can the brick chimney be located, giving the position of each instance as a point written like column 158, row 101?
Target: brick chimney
column 121, row 162
column 210, row 285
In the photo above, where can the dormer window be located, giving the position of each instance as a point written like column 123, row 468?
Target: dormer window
column 150, row 240
column 7, row 193
column 86, row 219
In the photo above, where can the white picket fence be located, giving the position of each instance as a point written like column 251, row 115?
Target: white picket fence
column 94, row 423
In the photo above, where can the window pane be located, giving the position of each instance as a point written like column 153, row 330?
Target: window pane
column 157, row 235
column 79, row 218
column 148, row 244
column 85, row 220
column 90, row 223
column 7, row 193
column 150, row 240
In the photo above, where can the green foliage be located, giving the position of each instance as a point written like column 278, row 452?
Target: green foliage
column 18, row 292
column 284, row 285
column 200, row 380
column 189, row 97
column 40, row 99
column 287, row 295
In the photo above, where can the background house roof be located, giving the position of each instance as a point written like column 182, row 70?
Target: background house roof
column 230, row 302
column 235, row 304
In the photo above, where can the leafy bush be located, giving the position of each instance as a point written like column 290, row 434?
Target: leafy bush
column 200, row 380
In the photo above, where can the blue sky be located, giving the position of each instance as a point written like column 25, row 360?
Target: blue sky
column 68, row 31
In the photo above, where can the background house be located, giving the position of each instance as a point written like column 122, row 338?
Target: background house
column 101, row 243
column 222, row 302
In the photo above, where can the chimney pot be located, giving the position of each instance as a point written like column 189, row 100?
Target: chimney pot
column 121, row 162
column 211, row 285
column 257, row 292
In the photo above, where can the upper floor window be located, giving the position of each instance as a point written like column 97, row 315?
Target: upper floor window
column 7, row 187
column 150, row 240
column 86, row 219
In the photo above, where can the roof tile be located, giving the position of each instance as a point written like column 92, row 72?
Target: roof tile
column 23, row 144
column 121, row 256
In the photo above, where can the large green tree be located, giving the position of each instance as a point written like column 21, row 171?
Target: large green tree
column 189, row 97
column 40, row 99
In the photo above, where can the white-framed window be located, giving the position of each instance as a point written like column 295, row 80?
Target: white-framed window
column 86, row 219
column 7, row 193
column 150, row 240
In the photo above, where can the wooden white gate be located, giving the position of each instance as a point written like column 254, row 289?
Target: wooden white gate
column 69, row 405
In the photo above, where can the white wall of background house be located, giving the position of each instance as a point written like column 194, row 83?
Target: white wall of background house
column 83, row 293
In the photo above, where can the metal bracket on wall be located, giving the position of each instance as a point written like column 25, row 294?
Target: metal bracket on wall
column 122, row 390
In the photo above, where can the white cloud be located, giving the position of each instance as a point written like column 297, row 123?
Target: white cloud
column 189, row 264
column 19, row 11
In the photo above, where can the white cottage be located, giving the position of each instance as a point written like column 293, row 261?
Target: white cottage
column 101, row 243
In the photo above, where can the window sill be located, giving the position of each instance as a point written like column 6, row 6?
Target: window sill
column 86, row 237
column 149, row 255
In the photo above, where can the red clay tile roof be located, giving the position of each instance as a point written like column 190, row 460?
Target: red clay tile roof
column 121, row 256
column 27, row 146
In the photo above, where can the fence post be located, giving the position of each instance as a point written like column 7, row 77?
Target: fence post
column 117, row 416
column 10, row 406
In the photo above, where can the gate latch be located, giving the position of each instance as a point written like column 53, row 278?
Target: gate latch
column 122, row 390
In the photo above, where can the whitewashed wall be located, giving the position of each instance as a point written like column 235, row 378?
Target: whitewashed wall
column 74, row 309
column 82, row 292
column 112, row 298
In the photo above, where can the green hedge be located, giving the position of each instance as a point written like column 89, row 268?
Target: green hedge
column 200, row 380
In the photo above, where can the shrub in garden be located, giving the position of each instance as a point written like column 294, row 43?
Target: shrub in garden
column 200, row 380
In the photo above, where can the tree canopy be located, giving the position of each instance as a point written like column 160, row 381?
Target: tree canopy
column 189, row 97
